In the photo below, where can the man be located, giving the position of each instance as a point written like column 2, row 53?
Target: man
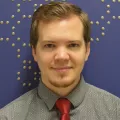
column 60, row 40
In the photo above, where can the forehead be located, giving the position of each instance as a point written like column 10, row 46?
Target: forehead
column 70, row 28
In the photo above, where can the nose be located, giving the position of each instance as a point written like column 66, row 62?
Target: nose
column 62, row 54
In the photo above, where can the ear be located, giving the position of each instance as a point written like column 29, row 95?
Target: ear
column 87, row 51
column 34, row 54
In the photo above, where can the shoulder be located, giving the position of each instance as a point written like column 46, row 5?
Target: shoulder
column 103, row 101
column 18, row 105
column 98, row 93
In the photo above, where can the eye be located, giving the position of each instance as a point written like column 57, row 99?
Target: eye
column 49, row 46
column 73, row 45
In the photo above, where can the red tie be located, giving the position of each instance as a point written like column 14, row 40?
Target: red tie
column 63, row 106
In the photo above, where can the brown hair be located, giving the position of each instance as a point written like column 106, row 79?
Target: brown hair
column 54, row 11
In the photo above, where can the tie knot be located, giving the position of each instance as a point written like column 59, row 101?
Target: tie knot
column 63, row 105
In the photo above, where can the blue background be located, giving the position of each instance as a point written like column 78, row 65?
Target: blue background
column 18, row 71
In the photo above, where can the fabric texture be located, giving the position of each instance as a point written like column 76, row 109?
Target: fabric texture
column 88, row 103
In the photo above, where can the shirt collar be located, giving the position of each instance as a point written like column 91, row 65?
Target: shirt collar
column 76, row 96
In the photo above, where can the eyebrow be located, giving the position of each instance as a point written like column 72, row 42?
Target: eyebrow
column 75, row 41
column 69, row 41
column 45, row 41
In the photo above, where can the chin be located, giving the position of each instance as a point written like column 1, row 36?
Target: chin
column 61, row 83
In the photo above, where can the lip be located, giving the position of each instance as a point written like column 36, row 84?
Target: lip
column 63, row 69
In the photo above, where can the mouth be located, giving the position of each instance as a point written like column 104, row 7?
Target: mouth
column 62, row 69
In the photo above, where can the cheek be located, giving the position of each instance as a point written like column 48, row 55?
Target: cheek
column 44, row 60
column 79, row 57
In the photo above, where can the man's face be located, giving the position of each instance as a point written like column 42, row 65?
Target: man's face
column 61, row 51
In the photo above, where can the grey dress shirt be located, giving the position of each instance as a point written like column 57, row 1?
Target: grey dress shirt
column 88, row 103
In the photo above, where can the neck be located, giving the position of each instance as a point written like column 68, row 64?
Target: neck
column 61, row 91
